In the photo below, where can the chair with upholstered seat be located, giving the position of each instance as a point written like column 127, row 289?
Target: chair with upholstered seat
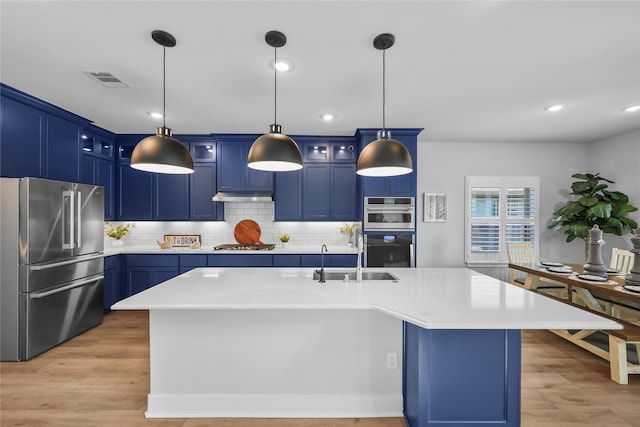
column 522, row 253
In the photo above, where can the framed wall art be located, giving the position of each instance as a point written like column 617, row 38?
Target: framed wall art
column 435, row 207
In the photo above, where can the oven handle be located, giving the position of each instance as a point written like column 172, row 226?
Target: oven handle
column 389, row 208
column 36, row 295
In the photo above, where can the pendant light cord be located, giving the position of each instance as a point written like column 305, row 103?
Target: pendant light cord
column 164, row 86
column 383, row 89
column 275, row 85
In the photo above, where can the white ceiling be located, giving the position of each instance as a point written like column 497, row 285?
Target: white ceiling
column 463, row 70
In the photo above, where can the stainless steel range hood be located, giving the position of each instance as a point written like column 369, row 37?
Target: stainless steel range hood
column 242, row 197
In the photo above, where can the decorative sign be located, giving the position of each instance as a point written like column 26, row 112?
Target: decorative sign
column 435, row 207
column 184, row 240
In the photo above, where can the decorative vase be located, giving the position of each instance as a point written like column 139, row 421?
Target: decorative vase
column 594, row 264
column 116, row 243
column 349, row 244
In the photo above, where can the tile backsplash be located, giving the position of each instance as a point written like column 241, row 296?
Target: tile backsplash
column 146, row 233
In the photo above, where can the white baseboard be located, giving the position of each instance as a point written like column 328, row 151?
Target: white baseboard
column 273, row 406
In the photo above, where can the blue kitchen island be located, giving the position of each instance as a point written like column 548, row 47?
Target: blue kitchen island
column 437, row 346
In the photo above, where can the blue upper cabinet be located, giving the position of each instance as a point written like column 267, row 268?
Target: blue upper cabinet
column 325, row 189
column 22, row 139
column 233, row 173
column 404, row 185
column 97, row 165
column 63, row 149
column 203, row 182
column 149, row 196
column 288, row 196
column 38, row 139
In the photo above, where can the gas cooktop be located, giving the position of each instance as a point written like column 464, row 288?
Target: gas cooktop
column 239, row 247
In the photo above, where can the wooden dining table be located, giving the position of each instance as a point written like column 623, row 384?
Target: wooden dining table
column 608, row 298
column 587, row 291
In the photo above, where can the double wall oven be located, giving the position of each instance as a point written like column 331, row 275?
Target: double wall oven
column 389, row 227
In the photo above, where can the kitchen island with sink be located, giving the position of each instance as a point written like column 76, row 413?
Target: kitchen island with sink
column 437, row 346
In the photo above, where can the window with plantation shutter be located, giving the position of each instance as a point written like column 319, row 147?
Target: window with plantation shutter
column 499, row 210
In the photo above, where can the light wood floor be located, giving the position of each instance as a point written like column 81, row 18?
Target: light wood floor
column 101, row 379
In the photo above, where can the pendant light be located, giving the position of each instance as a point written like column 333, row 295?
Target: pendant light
column 160, row 152
column 275, row 151
column 384, row 156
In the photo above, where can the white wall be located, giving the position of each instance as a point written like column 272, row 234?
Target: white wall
column 443, row 167
column 618, row 159
column 308, row 234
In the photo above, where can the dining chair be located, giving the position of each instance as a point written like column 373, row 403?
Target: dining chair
column 621, row 259
column 522, row 253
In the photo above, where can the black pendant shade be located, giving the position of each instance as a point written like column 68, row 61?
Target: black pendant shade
column 384, row 156
column 275, row 151
column 161, row 153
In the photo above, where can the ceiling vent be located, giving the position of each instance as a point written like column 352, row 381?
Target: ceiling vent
column 106, row 78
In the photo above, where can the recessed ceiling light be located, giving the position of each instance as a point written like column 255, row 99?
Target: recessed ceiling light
column 155, row 115
column 282, row 65
column 554, row 108
column 632, row 109
column 327, row 116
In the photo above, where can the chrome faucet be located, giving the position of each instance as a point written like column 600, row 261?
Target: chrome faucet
column 360, row 246
column 323, row 249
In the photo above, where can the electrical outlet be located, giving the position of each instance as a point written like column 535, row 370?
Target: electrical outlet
column 392, row 360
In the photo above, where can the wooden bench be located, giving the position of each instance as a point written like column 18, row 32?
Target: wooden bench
column 602, row 300
column 619, row 364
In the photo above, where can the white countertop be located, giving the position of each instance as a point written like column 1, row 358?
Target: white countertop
column 208, row 250
column 434, row 298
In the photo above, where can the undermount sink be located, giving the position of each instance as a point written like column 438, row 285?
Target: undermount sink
column 366, row 275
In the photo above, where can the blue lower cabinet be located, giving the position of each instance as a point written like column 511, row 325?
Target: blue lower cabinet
column 145, row 271
column 230, row 260
column 446, row 383
column 334, row 260
column 112, row 284
column 286, row 260
column 189, row 262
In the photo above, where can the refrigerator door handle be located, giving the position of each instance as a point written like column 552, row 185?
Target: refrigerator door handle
column 69, row 222
column 58, row 264
column 36, row 295
column 79, row 221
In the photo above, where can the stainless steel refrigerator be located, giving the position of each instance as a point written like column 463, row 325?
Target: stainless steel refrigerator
column 51, row 259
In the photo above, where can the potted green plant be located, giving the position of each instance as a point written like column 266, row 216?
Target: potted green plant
column 284, row 238
column 349, row 230
column 116, row 233
column 595, row 205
